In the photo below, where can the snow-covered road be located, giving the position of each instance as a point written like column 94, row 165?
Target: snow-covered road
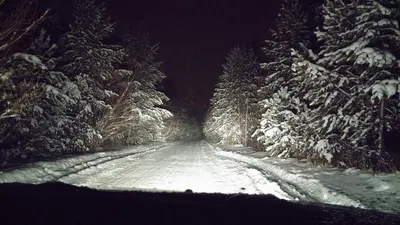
column 202, row 167
column 194, row 166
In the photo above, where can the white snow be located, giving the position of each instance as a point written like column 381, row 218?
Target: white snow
column 192, row 166
column 374, row 57
column 321, row 147
column 31, row 59
column 382, row 9
column 311, row 187
column 351, row 187
column 271, row 132
column 42, row 172
column 201, row 167
column 384, row 89
column 72, row 89
column 37, row 109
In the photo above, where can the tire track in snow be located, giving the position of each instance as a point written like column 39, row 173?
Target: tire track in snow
column 313, row 190
column 42, row 172
column 179, row 167
column 96, row 170
column 291, row 190
column 97, row 163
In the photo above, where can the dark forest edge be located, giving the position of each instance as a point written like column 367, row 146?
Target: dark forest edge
column 338, row 106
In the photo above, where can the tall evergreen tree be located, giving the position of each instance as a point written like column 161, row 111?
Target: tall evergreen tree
column 147, row 98
column 36, row 101
column 280, row 129
column 230, row 119
column 351, row 86
column 136, row 116
column 90, row 63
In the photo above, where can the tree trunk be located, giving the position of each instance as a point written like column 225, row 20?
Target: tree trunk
column 381, row 126
column 246, row 124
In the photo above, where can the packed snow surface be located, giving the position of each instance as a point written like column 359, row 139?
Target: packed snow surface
column 42, row 172
column 194, row 166
column 202, row 167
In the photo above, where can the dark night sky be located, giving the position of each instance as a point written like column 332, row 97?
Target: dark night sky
column 194, row 38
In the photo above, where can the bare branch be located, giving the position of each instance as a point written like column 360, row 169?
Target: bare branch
column 19, row 24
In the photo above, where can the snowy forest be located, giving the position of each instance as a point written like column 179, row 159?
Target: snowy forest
column 77, row 91
column 326, row 88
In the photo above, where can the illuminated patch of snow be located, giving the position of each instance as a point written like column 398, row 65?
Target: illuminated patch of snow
column 375, row 191
column 311, row 187
column 177, row 168
column 42, row 172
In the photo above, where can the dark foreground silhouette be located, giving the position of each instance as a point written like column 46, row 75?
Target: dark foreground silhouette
column 57, row 203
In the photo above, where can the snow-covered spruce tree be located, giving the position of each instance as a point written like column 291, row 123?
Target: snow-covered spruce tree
column 280, row 129
column 353, row 84
column 90, row 63
column 35, row 105
column 137, row 117
column 230, row 119
column 148, row 99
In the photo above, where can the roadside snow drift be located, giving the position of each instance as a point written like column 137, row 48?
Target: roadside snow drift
column 349, row 187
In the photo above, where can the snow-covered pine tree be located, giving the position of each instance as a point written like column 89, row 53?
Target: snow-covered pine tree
column 147, row 98
column 248, row 97
column 216, row 119
column 90, row 63
column 280, row 128
column 137, row 117
column 36, row 101
column 351, row 86
column 19, row 91
column 230, row 119
column 313, row 80
column 291, row 32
